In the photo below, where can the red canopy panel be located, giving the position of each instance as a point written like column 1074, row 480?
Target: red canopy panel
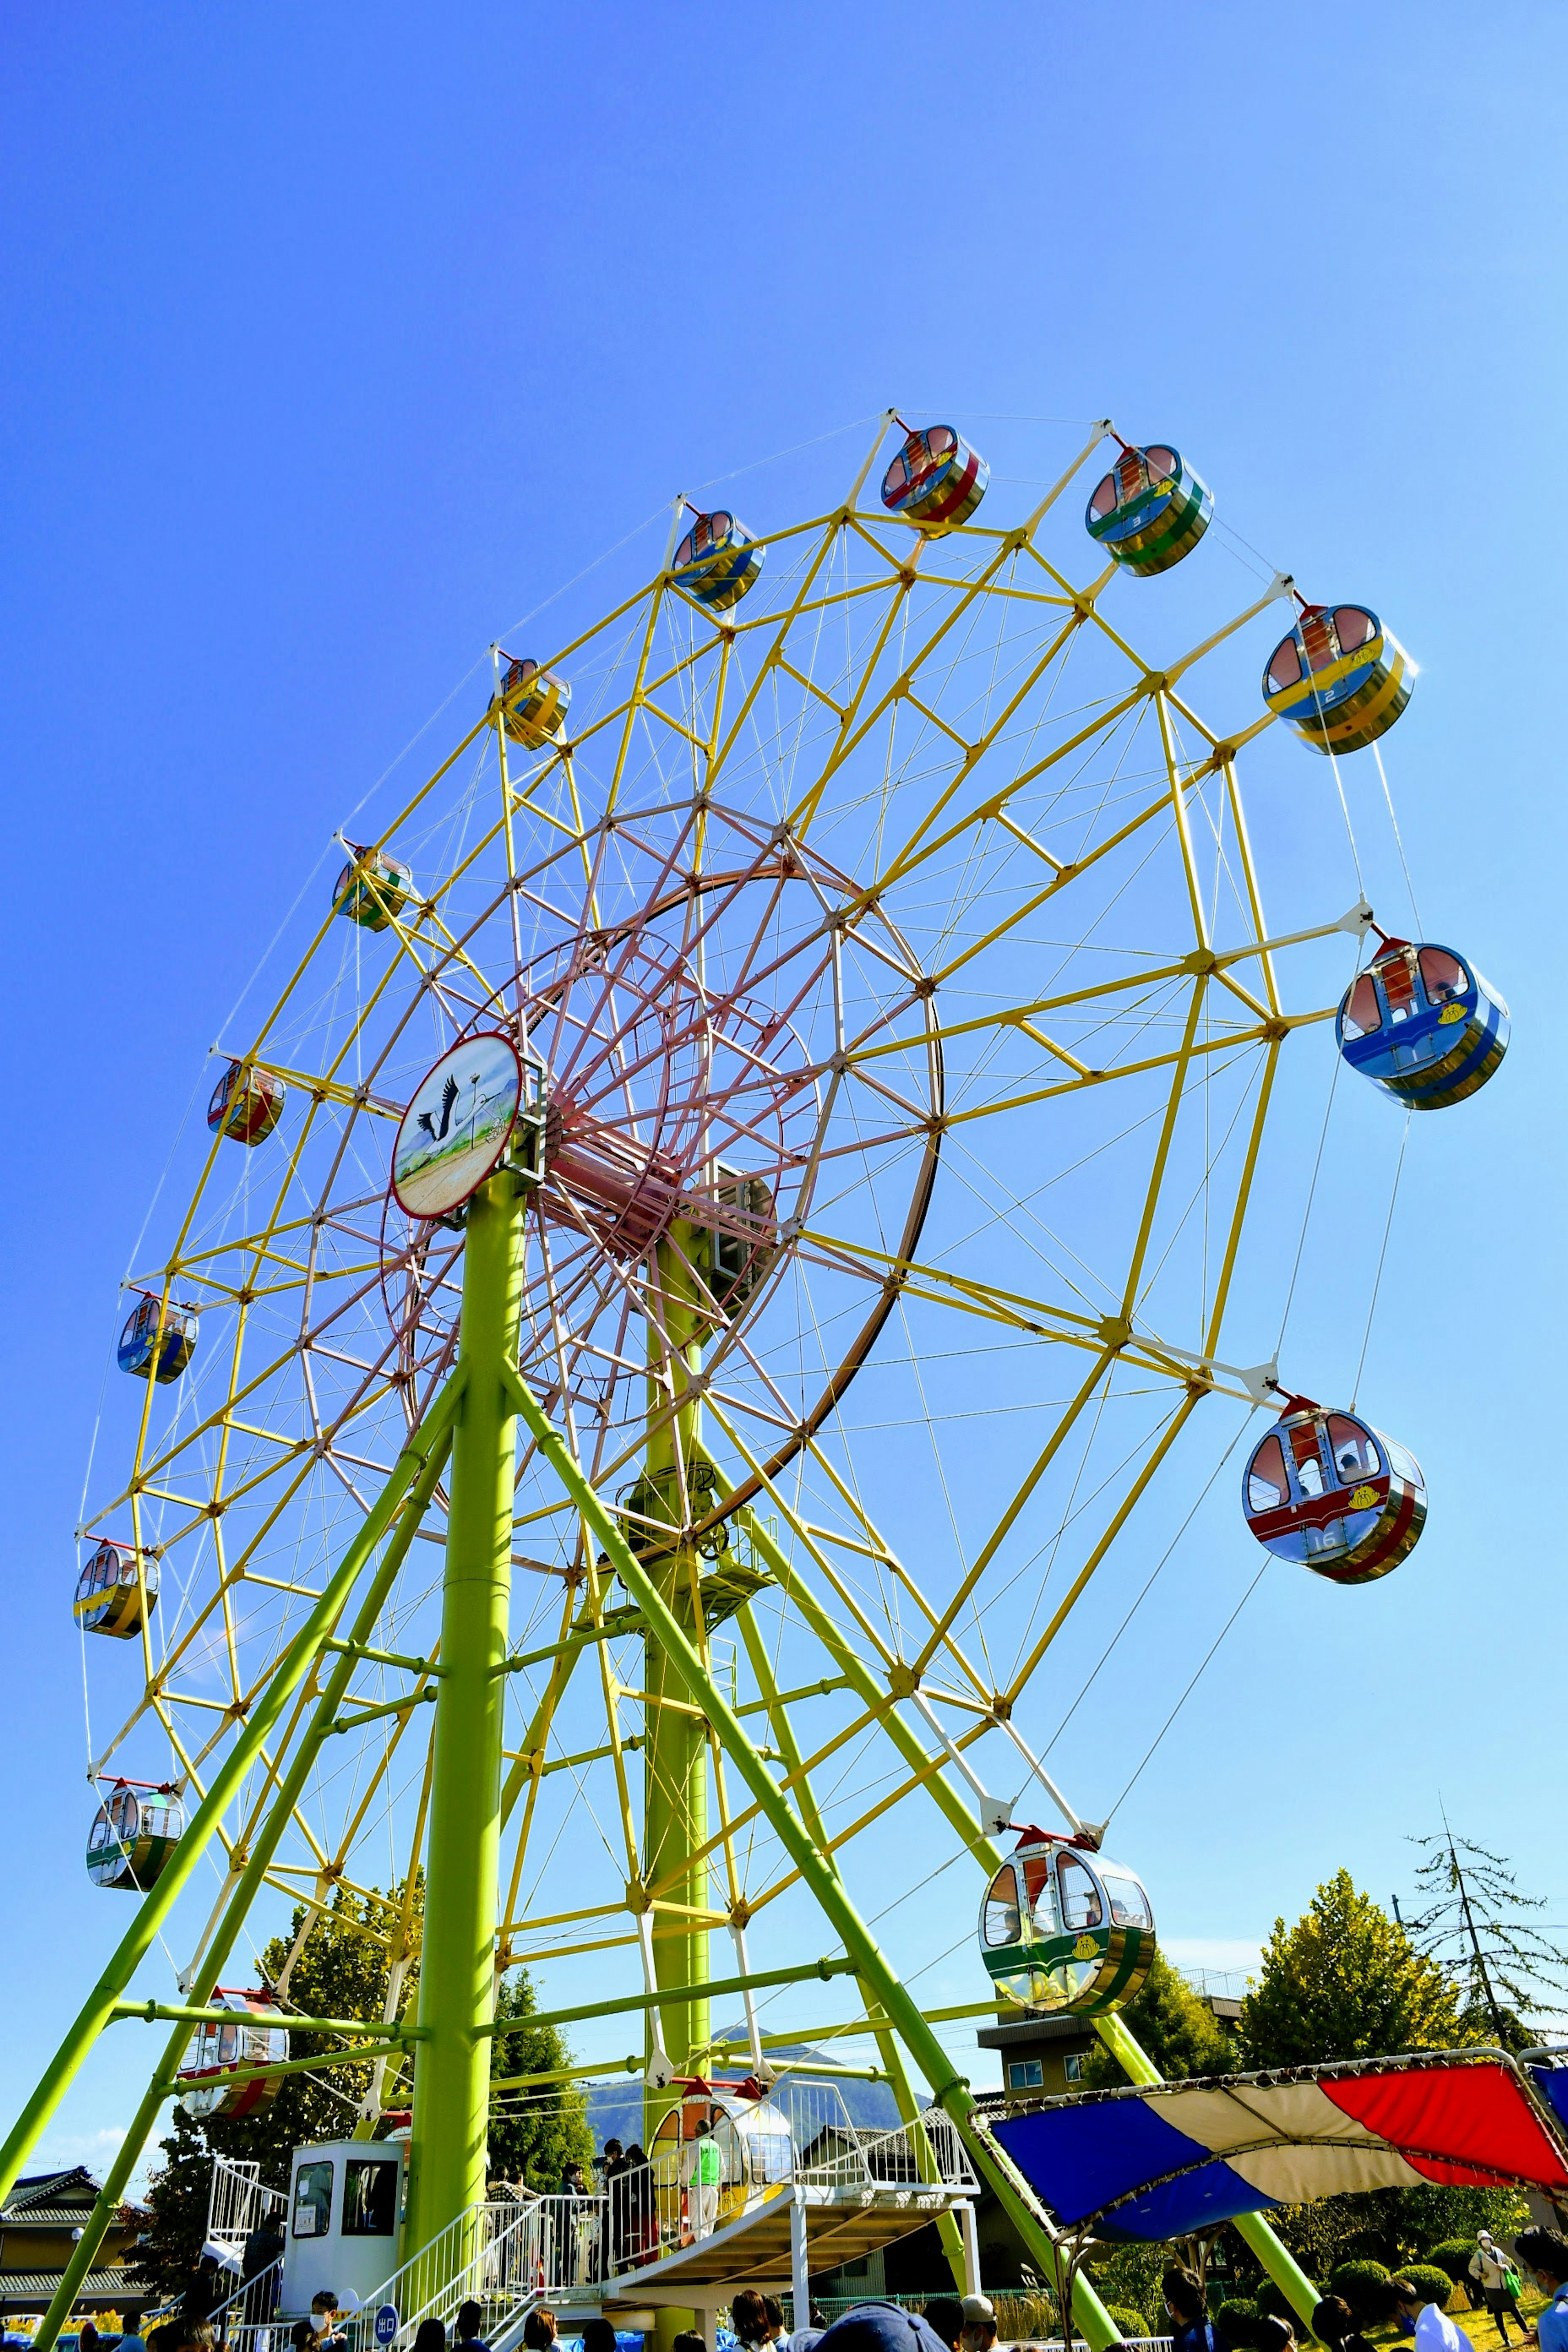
column 1467, row 2125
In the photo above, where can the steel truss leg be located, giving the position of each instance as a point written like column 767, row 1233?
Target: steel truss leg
column 404, row 1498
column 1276, row 2258
column 950, row 2090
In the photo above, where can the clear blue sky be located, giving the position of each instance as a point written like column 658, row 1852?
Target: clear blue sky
column 333, row 340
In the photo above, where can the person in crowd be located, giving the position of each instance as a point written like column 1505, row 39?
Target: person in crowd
column 642, row 2206
column 263, row 2245
column 749, row 2319
column 599, row 2335
column 778, row 2334
column 944, row 2317
column 688, row 2340
column 1271, row 2333
column 1544, row 2254
column 88, row 2337
column 429, row 2336
column 539, row 2329
column 1191, row 2329
column 166, row 2338
column 882, row 2326
column 466, row 2333
column 702, row 2183
column 329, row 2336
column 978, row 2330
column 1413, row 2314
column 1499, row 2283
column 571, row 2181
column 206, row 2288
column 302, row 2336
column 1334, row 2323
column 131, row 2332
column 614, row 2160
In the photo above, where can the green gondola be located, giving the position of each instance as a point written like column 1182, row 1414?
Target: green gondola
column 134, row 1835
column 1065, row 1928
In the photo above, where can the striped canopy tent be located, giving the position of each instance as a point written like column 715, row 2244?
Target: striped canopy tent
column 1172, row 2159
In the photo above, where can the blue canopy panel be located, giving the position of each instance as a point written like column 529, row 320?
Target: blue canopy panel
column 1551, row 2082
column 1079, row 2160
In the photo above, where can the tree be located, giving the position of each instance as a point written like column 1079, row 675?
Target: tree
column 359, row 1959
column 1346, row 1981
column 1473, row 1924
column 1179, row 2033
column 534, row 2133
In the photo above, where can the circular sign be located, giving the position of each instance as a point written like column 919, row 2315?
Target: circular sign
column 386, row 2323
column 458, row 1126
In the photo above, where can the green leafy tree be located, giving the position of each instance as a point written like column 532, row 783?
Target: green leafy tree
column 535, row 2132
column 1475, row 1922
column 1178, row 2031
column 359, row 1960
column 1346, row 1981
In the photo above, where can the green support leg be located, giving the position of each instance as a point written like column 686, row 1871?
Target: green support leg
column 888, row 2050
column 415, row 1476
column 950, row 2090
column 1276, row 2258
column 448, row 2148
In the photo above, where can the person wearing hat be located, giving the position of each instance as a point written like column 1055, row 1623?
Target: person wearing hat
column 1498, row 2282
column 978, row 2333
column 881, row 2326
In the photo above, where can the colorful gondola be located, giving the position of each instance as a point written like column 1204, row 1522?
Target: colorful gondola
column 247, row 1104
column 133, row 1836
column 1150, row 510
column 1330, row 1493
column 1065, row 1928
column 373, row 888
column 718, row 562
column 936, row 479
column 534, row 704
column 159, row 1340
column 1423, row 1024
column 252, row 2037
column 111, row 1598
column 1340, row 679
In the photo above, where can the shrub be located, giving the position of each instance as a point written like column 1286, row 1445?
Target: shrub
column 1273, row 2303
column 1361, row 2284
column 1453, row 2255
column 1434, row 2284
column 1128, row 2321
column 1237, row 2320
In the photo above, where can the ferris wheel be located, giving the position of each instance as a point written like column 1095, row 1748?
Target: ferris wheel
column 745, row 1186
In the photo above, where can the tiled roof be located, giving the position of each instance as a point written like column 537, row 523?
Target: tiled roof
column 41, row 2190
column 105, row 2287
column 47, row 2217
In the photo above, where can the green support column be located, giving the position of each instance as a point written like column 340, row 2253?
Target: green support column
column 675, row 1772
column 457, row 1971
column 950, row 2090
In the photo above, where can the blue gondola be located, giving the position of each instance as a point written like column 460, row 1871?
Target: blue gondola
column 1329, row 1493
column 717, row 561
column 1423, row 1024
column 1340, row 679
column 159, row 1340
column 1150, row 510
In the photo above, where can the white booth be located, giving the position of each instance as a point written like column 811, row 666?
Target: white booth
column 345, row 2204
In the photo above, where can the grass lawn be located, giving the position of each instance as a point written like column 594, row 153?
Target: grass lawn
column 1478, row 2326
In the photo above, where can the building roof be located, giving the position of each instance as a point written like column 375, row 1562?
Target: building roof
column 51, row 2192
column 1068, row 2033
column 112, row 2286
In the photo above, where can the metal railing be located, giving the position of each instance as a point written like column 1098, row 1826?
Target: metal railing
column 505, row 2255
column 238, row 2203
